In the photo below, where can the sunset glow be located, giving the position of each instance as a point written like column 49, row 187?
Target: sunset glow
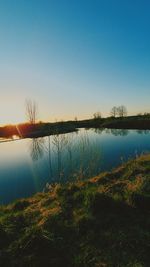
column 73, row 59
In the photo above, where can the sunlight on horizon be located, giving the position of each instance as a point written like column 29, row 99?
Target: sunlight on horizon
column 73, row 61
column 18, row 114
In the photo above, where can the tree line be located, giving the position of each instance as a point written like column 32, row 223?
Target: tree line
column 32, row 112
column 120, row 111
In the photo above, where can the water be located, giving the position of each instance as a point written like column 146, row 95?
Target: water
column 27, row 166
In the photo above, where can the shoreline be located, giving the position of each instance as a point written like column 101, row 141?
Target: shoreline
column 42, row 129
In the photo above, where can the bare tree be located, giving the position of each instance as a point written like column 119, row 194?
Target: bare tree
column 114, row 111
column 122, row 111
column 31, row 111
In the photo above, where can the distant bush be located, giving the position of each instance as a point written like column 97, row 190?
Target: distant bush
column 97, row 115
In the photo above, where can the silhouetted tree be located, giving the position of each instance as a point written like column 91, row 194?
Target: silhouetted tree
column 114, row 111
column 31, row 111
column 122, row 111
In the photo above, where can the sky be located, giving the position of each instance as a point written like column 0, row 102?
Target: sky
column 73, row 57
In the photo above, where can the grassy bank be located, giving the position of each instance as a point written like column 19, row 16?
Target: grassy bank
column 104, row 221
column 26, row 130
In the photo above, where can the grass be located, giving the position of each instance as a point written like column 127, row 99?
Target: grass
column 104, row 221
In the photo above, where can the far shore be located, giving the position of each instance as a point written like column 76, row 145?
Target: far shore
column 27, row 130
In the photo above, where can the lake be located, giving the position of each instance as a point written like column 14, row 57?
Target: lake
column 28, row 166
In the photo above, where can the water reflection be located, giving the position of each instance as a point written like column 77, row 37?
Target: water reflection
column 67, row 156
column 143, row 131
column 36, row 148
column 64, row 158
column 98, row 130
column 115, row 132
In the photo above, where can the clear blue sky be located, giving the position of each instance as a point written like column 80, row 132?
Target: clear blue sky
column 74, row 57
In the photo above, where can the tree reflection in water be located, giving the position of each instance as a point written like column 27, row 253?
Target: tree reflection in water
column 143, row 131
column 37, row 148
column 115, row 132
column 68, row 156
column 121, row 132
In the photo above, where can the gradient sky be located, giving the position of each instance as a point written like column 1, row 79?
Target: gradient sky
column 73, row 57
